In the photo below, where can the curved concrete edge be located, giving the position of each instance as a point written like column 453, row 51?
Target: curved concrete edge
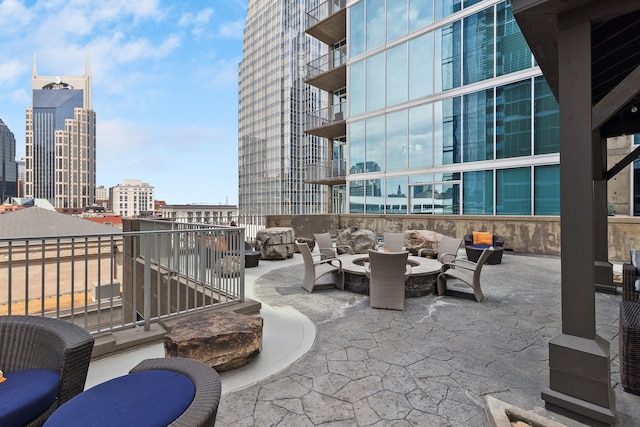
column 502, row 414
column 289, row 334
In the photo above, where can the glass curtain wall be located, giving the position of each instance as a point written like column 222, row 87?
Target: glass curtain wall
column 447, row 119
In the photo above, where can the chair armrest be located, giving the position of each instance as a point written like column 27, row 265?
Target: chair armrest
column 408, row 270
column 462, row 263
column 447, row 257
column 329, row 261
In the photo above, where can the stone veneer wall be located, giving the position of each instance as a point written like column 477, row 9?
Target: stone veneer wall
column 523, row 234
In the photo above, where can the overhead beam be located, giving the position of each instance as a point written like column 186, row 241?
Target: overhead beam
column 616, row 99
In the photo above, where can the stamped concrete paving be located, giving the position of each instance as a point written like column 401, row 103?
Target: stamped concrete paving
column 431, row 365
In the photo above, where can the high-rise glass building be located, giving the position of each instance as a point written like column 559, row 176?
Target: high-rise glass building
column 60, row 150
column 8, row 165
column 447, row 111
column 272, row 100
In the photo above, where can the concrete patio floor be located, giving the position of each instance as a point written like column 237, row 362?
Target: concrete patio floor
column 330, row 360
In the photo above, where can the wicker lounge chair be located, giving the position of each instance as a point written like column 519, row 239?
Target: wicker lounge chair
column 394, row 242
column 33, row 342
column 322, row 270
column 326, row 247
column 387, row 273
column 474, row 250
column 468, row 272
column 629, row 332
column 447, row 250
column 203, row 410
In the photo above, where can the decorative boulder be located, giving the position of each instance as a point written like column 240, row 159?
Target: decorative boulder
column 276, row 243
column 228, row 266
column 359, row 240
column 419, row 239
column 223, row 341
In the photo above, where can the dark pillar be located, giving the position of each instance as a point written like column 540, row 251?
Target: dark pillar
column 579, row 360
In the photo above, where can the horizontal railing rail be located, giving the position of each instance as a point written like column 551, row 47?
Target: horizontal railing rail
column 106, row 282
column 325, row 63
column 325, row 116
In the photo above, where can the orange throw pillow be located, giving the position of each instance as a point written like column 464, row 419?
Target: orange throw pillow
column 482, row 238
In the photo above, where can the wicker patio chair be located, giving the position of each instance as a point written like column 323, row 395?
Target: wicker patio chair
column 394, row 242
column 468, row 272
column 447, row 250
column 474, row 250
column 32, row 342
column 320, row 270
column 204, row 408
column 327, row 248
column 629, row 341
column 387, row 272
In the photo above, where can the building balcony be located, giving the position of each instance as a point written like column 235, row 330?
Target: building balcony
column 328, row 21
column 327, row 122
column 329, row 72
column 332, row 172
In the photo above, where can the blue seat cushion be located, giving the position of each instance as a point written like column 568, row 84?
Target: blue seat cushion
column 146, row 398
column 480, row 246
column 27, row 394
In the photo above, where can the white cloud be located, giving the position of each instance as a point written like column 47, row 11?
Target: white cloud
column 11, row 70
column 232, row 29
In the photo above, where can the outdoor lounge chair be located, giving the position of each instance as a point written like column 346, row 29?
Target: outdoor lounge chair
column 477, row 241
column 387, row 272
column 326, row 247
column 394, row 242
column 468, row 272
column 447, row 250
column 172, row 391
column 45, row 362
column 327, row 271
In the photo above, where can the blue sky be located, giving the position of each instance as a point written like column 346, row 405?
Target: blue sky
column 164, row 85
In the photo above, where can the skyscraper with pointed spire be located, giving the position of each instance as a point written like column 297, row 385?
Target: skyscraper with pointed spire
column 60, row 158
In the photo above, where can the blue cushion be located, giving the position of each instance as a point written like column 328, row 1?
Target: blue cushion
column 480, row 246
column 27, row 394
column 146, row 398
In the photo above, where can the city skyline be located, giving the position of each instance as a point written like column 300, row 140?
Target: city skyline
column 164, row 86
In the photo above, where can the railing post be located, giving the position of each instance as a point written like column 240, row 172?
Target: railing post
column 147, row 283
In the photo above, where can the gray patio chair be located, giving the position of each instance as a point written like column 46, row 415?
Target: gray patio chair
column 327, row 248
column 468, row 272
column 34, row 342
column 394, row 242
column 326, row 271
column 387, row 272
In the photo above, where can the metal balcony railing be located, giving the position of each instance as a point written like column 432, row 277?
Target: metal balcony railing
column 325, row 116
column 108, row 282
column 328, row 62
column 324, row 10
column 328, row 170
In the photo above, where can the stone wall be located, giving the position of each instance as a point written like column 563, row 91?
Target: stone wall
column 536, row 235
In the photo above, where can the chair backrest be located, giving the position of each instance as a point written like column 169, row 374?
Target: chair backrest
column 306, row 254
column 448, row 249
column 387, row 277
column 394, row 242
column 325, row 244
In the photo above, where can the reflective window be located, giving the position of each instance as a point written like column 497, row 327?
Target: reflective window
column 513, row 191
column 478, row 126
column 477, row 193
column 420, row 14
column 546, row 190
column 397, row 156
column 478, row 46
column 373, row 196
column 356, row 29
column 356, row 196
column 512, row 51
column 421, row 136
column 421, row 198
column 356, row 88
column 397, row 75
column 375, row 29
column 547, row 119
column 447, row 56
column 446, row 199
column 374, row 97
column 356, row 147
column 513, row 120
column 446, row 141
column 444, row 8
column 397, row 18
column 374, row 146
column 421, row 66
column 396, row 200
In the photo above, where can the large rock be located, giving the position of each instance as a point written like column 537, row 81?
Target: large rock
column 360, row 240
column 276, row 243
column 223, row 341
column 418, row 239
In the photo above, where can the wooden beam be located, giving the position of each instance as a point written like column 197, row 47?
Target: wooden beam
column 615, row 100
column 623, row 163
